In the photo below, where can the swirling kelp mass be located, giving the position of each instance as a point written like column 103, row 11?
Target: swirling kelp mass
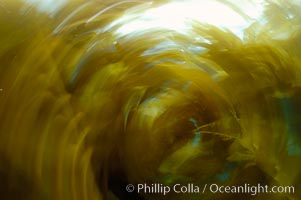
column 99, row 94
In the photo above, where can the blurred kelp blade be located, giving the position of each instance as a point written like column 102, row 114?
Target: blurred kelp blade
column 99, row 94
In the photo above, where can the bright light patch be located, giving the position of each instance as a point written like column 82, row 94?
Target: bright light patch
column 176, row 14
column 48, row 6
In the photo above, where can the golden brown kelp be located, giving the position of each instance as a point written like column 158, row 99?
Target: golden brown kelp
column 85, row 109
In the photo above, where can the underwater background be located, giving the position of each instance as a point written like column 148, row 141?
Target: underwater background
column 99, row 94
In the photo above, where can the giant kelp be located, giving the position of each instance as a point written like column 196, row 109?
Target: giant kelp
column 85, row 110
